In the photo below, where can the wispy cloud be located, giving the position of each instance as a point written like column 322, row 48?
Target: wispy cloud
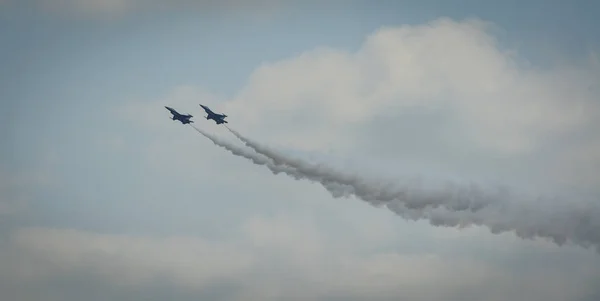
column 269, row 259
column 16, row 186
column 424, row 93
column 120, row 8
column 491, row 98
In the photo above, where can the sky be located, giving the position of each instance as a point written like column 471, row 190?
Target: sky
column 103, row 196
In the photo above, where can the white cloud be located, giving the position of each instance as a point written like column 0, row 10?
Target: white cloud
column 487, row 102
column 442, row 95
column 112, row 8
column 15, row 188
column 107, row 7
column 189, row 261
column 580, row 166
column 10, row 205
column 456, row 66
column 285, row 256
column 489, row 105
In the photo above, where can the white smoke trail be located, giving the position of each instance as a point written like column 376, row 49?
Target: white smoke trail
column 335, row 189
column 453, row 197
column 526, row 219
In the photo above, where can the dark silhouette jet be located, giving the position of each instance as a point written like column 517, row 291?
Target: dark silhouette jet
column 218, row 118
column 185, row 119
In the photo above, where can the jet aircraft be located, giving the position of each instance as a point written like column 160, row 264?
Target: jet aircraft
column 185, row 119
column 218, row 118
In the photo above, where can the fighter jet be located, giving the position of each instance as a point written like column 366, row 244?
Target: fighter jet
column 185, row 119
column 218, row 118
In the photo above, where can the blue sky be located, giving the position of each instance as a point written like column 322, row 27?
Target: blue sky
column 106, row 193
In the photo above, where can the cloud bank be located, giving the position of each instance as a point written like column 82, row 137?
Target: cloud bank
column 491, row 104
column 492, row 98
column 119, row 8
column 268, row 259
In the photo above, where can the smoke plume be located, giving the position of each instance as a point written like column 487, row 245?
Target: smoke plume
column 335, row 189
column 453, row 206
column 453, row 197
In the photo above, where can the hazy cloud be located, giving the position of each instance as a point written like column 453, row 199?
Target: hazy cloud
column 16, row 187
column 192, row 262
column 425, row 96
column 493, row 99
column 271, row 258
column 111, row 8
column 490, row 102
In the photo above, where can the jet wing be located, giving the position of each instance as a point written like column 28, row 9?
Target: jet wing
column 206, row 109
